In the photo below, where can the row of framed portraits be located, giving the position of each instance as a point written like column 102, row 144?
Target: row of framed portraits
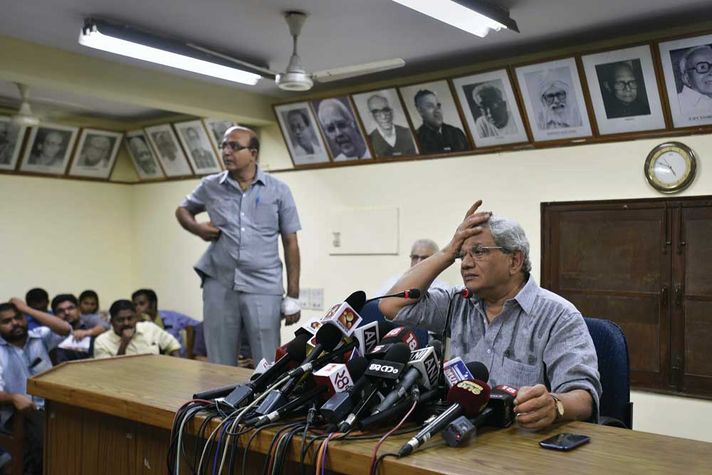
column 167, row 150
column 621, row 91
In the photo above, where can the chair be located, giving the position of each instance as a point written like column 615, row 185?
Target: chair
column 14, row 444
column 189, row 342
column 371, row 313
column 616, row 408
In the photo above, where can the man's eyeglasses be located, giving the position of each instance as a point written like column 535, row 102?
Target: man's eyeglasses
column 560, row 96
column 234, row 146
column 416, row 257
column 479, row 253
column 384, row 111
column 703, row 67
column 620, row 85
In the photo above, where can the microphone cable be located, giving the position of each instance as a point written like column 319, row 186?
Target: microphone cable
column 374, row 455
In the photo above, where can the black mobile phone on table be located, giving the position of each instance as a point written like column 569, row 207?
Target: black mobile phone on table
column 565, row 441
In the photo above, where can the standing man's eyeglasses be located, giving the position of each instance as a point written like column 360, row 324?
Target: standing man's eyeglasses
column 234, row 146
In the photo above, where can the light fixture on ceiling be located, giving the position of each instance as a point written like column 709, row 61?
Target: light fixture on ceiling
column 128, row 41
column 477, row 17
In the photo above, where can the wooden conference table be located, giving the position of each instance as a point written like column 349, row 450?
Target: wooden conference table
column 114, row 416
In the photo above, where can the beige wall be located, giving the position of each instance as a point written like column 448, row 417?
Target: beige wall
column 65, row 236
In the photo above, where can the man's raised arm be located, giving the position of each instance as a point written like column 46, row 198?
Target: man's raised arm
column 421, row 275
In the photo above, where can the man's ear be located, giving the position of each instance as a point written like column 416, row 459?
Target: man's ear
column 686, row 79
column 517, row 262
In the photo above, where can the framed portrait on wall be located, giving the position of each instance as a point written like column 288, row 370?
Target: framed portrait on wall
column 688, row 81
column 216, row 131
column 197, row 146
column 386, row 124
column 298, row 126
column 553, row 100
column 11, row 136
column 433, row 112
column 341, row 128
column 165, row 144
column 624, row 91
column 95, row 154
column 142, row 156
column 49, row 148
column 490, row 108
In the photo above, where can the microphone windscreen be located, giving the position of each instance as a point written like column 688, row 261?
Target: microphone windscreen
column 356, row 367
column 438, row 347
column 471, row 395
column 297, row 348
column 384, row 326
column 478, row 371
column 328, row 336
column 356, row 300
column 399, row 353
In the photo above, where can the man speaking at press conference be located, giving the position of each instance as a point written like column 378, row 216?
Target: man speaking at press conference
column 528, row 337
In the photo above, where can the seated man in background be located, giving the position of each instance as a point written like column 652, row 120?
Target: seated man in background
column 421, row 250
column 130, row 336
column 38, row 299
column 89, row 305
column 146, row 302
column 85, row 328
column 24, row 353
column 528, row 337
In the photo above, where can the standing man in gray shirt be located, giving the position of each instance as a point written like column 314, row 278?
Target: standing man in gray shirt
column 528, row 337
column 241, row 270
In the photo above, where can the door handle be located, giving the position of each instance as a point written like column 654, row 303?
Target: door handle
column 679, row 291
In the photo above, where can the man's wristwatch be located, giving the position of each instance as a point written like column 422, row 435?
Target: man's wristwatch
column 559, row 407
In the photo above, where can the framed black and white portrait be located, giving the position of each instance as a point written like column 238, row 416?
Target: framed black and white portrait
column 95, row 154
column 11, row 136
column 341, row 128
column 197, row 146
column 216, row 131
column 142, row 156
column 300, row 133
column 553, row 100
column 490, row 108
column 165, row 144
column 437, row 124
column 384, row 119
column 624, row 91
column 49, row 148
column 687, row 68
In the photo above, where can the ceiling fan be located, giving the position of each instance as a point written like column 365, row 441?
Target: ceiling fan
column 24, row 116
column 296, row 78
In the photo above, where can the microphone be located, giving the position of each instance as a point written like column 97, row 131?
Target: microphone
column 237, row 394
column 328, row 337
column 352, row 370
column 467, row 398
column 501, row 404
column 403, row 335
column 406, row 294
column 455, row 370
column 356, row 301
column 370, row 335
column 422, row 368
column 380, row 373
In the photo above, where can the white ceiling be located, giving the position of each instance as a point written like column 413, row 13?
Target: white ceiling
column 337, row 32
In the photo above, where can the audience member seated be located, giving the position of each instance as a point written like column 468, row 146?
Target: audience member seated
column 421, row 250
column 89, row 305
column 85, row 328
column 146, row 302
column 24, row 353
column 528, row 337
column 131, row 336
column 38, row 299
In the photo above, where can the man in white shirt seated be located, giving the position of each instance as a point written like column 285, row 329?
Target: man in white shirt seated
column 131, row 336
column 421, row 250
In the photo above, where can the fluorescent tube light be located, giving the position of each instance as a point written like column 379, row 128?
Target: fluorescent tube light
column 471, row 16
column 109, row 38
